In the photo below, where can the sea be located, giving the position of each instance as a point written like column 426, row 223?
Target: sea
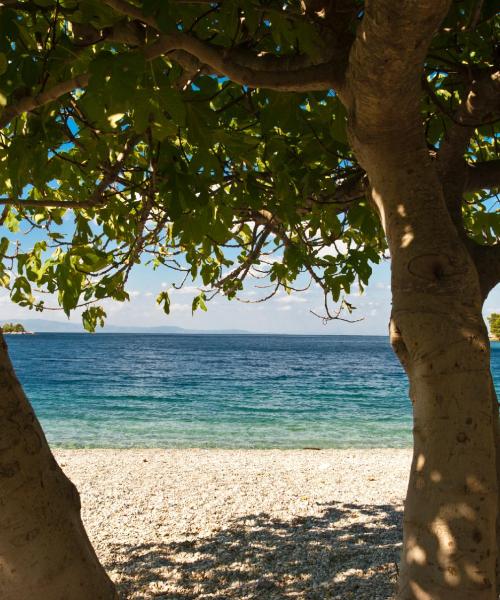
column 216, row 391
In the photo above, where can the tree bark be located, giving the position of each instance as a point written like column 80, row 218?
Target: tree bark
column 449, row 546
column 45, row 552
column 437, row 331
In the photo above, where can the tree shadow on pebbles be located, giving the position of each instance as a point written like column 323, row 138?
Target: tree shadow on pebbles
column 349, row 551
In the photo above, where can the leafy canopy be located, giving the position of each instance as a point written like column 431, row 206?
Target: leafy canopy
column 118, row 148
column 13, row 328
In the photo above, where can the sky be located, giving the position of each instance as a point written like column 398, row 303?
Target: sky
column 282, row 314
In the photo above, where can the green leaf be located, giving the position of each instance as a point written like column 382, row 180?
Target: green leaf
column 163, row 298
column 199, row 302
column 339, row 125
column 161, row 127
column 174, row 105
column 12, row 221
column 93, row 316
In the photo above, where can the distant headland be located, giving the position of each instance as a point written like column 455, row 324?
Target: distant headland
column 15, row 329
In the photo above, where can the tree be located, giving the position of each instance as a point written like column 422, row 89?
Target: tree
column 494, row 320
column 176, row 132
column 13, row 328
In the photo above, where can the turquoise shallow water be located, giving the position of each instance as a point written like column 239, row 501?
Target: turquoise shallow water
column 225, row 391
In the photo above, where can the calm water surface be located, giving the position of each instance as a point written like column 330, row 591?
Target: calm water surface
column 234, row 391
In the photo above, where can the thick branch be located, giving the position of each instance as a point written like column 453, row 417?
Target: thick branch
column 487, row 260
column 244, row 67
column 271, row 62
column 480, row 104
column 121, row 33
column 482, row 176
column 382, row 94
column 31, row 103
column 383, row 87
column 314, row 77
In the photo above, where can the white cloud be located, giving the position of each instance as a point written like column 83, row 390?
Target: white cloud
column 293, row 299
column 284, row 313
column 178, row 307
column 190, row 290
column 334, row 249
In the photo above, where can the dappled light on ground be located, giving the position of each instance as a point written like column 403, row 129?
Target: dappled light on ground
column 349, row 551
column 244, row 524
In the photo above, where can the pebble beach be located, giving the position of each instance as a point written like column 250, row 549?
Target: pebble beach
column 244, row 524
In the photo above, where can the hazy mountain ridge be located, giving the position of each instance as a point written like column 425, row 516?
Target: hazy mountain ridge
column 48, row 326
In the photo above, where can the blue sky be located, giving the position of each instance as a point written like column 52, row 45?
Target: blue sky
column 282, row 314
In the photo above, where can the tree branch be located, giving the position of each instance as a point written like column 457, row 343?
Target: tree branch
column 244, row 67
column 487, row 261
column 347, row 193
column 21, row 202
column 112, row 172
column 477, row 106
column 383, row 88
column 95, row 200
column 30, row 103
column 120, row 33
column 317, row 77
column 253, row 255
column 322, row 76
column 481, row 100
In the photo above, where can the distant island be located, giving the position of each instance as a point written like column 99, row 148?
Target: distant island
column 494, row 320
column 49, row 326
column 15, row 329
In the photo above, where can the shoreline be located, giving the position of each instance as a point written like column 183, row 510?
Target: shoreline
column 264, row 524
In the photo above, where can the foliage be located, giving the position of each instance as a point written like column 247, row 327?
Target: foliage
column 494, row 320
column 152, row 157
column 13, row 328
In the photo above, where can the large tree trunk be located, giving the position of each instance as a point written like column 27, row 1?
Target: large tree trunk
column 449, row 548
column 437, row 330
column 44, row 550
column 450, row 524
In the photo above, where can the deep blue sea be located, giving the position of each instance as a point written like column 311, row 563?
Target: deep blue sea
column 225, row 391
